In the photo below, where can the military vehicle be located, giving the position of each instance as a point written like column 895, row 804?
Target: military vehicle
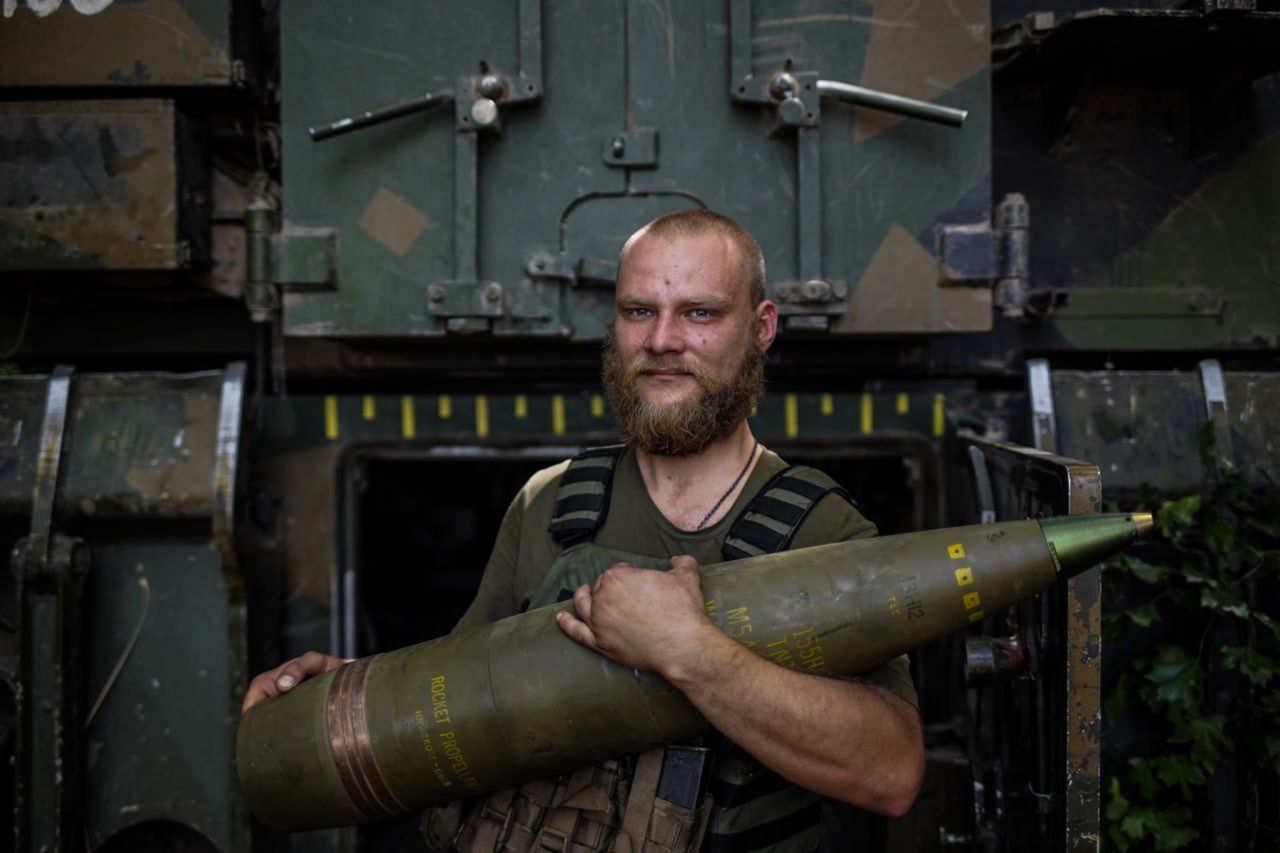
column 296, row 295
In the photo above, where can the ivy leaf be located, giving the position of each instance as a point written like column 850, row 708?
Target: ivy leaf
column 1176, row 772
column 1206, row 738
column 1143, row 615
column 1272, row 624
column 1252, row 665
column 1174, row 674
column 1272, row 740
column 1145, row 572
column 1228, row 600
column 1219, row 533
column 1178, row 514
column 1176, row 837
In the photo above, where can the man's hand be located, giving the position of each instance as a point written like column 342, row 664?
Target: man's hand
column 641, row 618
column 288, row 675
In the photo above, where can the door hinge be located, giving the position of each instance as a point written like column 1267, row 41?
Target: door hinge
column 995, row 254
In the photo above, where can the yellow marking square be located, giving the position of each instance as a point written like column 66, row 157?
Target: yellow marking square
column 976, row 616
column 964, row 576
column 956, row 551
column 972, row 600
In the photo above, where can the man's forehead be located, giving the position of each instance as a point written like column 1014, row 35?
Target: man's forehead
column 710, row 258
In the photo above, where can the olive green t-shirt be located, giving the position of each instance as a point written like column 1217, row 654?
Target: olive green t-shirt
column 524, row 550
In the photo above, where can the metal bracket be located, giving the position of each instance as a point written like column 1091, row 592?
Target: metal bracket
column 982, row 482
column 305, row 259
column 999, row 253
column 226, row 455
column 583, row 271
column 1044, row 426
column 466, row 306
column 634, row 149
column 810, row 304
column 300, row 259
column 1215, row 403
column 50, row 570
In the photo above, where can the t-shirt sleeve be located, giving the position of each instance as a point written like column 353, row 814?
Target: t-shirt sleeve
column 833, row 519
column 493, row 598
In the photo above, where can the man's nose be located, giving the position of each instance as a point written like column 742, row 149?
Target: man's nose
column 664, row 335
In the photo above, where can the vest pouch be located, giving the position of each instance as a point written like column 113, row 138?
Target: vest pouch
column 676, row 829
column 577, row 812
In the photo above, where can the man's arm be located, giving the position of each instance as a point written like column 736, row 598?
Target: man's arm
column 855, row 742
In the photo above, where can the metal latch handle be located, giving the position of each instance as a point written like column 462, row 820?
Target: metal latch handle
column 891, row 103
column 380, row 114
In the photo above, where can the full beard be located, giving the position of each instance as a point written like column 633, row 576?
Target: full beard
column 688, row 427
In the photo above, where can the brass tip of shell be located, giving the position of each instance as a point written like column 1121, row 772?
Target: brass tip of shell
column 1143, row 521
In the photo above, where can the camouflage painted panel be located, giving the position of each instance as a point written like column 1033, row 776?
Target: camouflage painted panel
column 137, row 445
column 116, row 43
column 645, row 121
column 89, row 185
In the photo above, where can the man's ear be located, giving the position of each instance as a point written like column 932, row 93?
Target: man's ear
column 767, row 322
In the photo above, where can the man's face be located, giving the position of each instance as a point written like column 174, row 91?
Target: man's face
column 683, row 362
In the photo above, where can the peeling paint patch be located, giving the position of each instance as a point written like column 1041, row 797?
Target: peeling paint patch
column 393, row 222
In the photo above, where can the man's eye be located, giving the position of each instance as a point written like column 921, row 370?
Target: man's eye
column 635, row 312
column 701, row 314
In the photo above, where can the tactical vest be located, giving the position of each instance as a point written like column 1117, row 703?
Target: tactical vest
column 616, row 805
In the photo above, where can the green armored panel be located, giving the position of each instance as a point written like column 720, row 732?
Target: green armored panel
column 100, row 185
column 123, row 42
column 1140, row 427
column 533, row 137
column 144, row 479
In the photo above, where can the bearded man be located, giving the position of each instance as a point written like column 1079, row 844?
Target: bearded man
column 683, row 367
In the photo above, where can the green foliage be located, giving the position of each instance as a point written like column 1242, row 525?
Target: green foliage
column 1198, row 609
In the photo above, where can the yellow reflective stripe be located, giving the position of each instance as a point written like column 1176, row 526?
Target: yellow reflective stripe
column 482, row 416
column 903, row 404
column 557, row 414
column 444, row 406
column 939, row 416
column 866, row 414
column 597, row 406
column 792, row 415
column 407, row 426
column 828, row 404
column 522, row 406
column 331, row 417
column 366, row 408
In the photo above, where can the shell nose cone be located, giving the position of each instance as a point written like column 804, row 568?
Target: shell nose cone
column 1142, row 521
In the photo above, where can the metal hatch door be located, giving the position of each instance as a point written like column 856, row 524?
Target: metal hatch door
column 426, row 224
column 508, row 220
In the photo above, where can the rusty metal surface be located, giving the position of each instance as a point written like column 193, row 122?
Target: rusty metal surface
column 95, row 185
column 1067, row 627
column 138, row 446
column 117, row 43
column 1140, row 426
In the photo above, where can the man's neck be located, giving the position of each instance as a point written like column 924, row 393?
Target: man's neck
column 686, row 488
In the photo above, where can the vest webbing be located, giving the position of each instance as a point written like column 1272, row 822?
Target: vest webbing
column 582, row 499
column 767, row 524
column 755, row 809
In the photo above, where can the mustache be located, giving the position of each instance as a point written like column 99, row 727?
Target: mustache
column 644, row 364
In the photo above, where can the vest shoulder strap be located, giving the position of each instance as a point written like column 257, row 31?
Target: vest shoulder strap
column 770, row 521
column 582, row 498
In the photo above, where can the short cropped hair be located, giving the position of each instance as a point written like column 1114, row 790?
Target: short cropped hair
column 696, row 222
